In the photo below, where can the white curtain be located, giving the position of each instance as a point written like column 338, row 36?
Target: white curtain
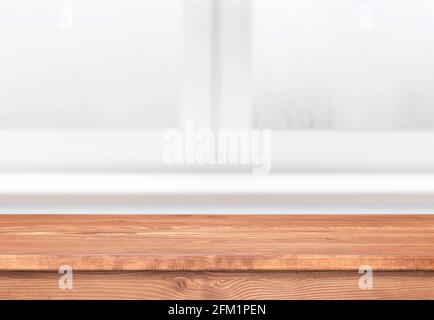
column 343, row 65
column 90, row 63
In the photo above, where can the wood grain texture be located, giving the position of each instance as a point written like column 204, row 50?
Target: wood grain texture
column 199, row 285
column 216, row 242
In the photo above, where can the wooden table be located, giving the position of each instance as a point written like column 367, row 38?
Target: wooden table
column 217, row 256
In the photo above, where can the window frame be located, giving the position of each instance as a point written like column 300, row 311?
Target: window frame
column 217, row 96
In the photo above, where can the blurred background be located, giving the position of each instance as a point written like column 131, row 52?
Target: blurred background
column 311, row 65
column 88, row 88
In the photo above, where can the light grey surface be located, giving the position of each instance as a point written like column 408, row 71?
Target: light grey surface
column 90, row 63
column 343, row 65
column 316, row 64
column 215, row 193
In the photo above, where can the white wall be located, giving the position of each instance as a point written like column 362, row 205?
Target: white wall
column 316, row 64
column 110, row 64
column 90, row 63
column 345, row 65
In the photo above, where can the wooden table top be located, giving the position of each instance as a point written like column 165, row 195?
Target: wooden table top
column 217, row 242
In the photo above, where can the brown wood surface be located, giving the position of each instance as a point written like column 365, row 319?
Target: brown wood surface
column 198, row 285
column 216, row 242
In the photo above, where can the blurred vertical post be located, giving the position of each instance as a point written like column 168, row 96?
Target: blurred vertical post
column 198, row 63
column 233, row 77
